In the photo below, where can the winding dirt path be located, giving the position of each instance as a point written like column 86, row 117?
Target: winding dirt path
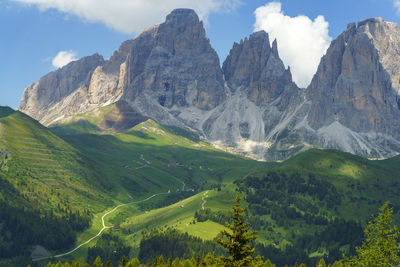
column 101, row 230
column 205, row 195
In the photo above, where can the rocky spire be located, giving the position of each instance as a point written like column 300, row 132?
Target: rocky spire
column 275, row 48
column 255, row 66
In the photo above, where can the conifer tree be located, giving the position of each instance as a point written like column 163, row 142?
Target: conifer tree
column 124, row 260
column 97, row 262
column 238, row 241
column 381, row 247
column 321, row 263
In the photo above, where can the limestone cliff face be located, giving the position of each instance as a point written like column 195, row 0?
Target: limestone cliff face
column 175, row 64
column 262, row 102
column 357, row 82
column 255, row 65
column 357, row 87
column 54, row 87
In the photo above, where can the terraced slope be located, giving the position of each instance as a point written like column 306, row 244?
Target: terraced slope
column 47, row 172
column 49, row 191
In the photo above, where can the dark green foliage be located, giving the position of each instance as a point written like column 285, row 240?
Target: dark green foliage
column 292, row 199
column 238, row 241
column 282, row 188
column 108, row 247
column 21, row 260
column 280, row 257
column 215, row 216
column 22, row 226
column 336, row 234
column 381, row 245
column 174, row 244
column 19, row 232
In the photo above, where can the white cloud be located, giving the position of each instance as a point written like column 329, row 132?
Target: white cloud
column 396, row 4
column 63, row 58
column 301, row 41
column 129, row 16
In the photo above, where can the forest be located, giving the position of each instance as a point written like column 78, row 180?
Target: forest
column 22, row 226
column 380, row 247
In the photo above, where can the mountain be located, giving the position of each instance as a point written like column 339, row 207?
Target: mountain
column 167, row 66
column 355, row 93
column 171, row 74
column 262, row 97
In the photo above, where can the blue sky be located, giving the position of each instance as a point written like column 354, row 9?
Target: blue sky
column 33, row 32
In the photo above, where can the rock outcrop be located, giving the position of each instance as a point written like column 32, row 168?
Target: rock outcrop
column 255, row 65
column 356, row 90
column 41, row 100
column 175, row 63
column 262, row 98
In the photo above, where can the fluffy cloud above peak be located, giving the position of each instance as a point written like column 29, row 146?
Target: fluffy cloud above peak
column 131, row 16
column 301, row 41
column 396, row 4
column 63, row 58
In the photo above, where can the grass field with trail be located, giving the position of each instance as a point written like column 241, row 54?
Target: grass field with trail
column 83, row 165
column 97, row 170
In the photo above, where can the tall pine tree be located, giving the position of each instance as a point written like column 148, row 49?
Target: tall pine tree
column 381, row 246
column 238, row 241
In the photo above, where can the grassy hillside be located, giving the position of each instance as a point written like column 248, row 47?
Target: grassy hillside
column 363, row 185
column 319, row 200
column 49, row 191
column 47, row 172
column 315, row 203
column 150, row 158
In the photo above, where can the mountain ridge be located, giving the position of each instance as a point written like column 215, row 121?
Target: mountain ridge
column 170, row 73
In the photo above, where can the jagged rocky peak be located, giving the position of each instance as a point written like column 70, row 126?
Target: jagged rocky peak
column 182, row 16
column 182, row 31
column 255, row 66
column 357, row 81
column 39, row 97
column 243, row 57
column 174, row 64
